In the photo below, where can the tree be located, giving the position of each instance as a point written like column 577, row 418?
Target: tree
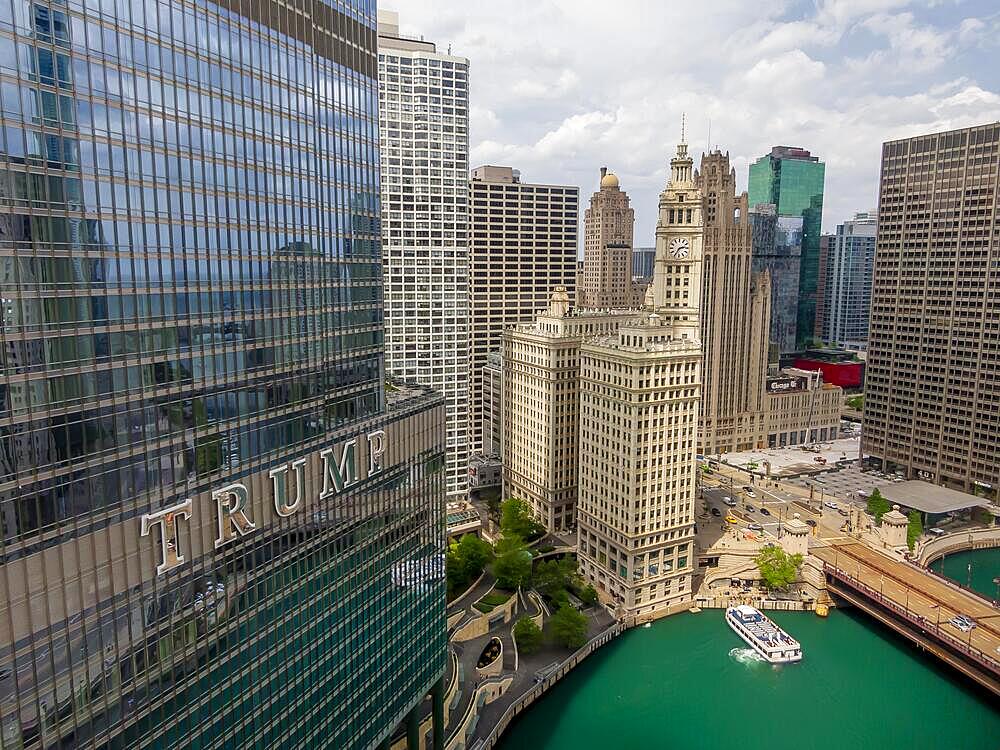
column 588, row 595
column 465, row 560
column 475, row 554
column 914, row 529
column 878, row 506
column 512, row 566
column 528, row 635
column 777, row 567
column 569, row 627
column 516, row 518
column 552, row 576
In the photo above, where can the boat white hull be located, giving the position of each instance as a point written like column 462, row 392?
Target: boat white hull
column 786, row 655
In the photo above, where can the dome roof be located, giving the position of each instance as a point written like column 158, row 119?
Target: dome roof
column 609, row 180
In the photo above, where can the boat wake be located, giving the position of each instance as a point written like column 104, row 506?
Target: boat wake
column 746, row 656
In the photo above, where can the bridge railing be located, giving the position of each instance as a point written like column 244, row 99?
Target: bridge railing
column 985, row 660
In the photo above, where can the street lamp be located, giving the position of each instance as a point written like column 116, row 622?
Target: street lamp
column 997, row 582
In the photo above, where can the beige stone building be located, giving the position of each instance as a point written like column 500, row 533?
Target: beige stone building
column 639, row 393
column 735, row 317
column 541, row 370
column 607, row 247
column 800, row 408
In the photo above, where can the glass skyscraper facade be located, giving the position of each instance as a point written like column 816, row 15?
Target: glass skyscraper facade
column 217, row 529
column 792, row 180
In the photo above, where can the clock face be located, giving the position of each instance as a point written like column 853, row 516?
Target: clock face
column 679, row 247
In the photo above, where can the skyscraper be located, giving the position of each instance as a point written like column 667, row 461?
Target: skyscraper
column 607, row 247
column 791, row 179
column 735, row 310
column 424, row 133
column 218, row 529
column 777, row 249
column 932, row 396
column 847, row 281
column 522, row 245
column 639, row 393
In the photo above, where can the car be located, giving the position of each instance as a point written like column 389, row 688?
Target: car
column 732, row 519
column 751, row 493
column 831, row 505
column 765, row 512
column 843, row 512
column 963, row 623
column 751, row 509
column 811, row 523
column 936, row 532
column 729, row 501
column 716, row 512
column 819, row 460
column 755, row 527
column 748, row 487
column 862, row 494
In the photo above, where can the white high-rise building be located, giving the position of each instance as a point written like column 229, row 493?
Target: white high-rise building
column 424, row 134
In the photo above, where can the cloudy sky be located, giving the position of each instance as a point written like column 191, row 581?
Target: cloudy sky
column 561, row 87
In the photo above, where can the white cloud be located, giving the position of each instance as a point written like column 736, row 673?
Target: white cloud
column 562, row 87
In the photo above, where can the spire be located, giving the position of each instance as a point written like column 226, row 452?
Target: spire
column 680, row 165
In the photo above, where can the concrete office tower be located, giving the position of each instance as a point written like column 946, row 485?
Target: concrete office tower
column 541, row 373
column 219, row 531
column 777, row 249
column 424, row 133
column 522, row 245
column 931, row 388
column 847, row 282
column 607, row 247
column 639, row 393
column 791, row 179
column 735, row 310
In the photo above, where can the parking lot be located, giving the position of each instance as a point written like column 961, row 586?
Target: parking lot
column 845, row 483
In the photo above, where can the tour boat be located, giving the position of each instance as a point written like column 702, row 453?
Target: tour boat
column 762, row 635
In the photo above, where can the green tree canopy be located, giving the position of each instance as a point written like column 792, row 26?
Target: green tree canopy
column 512, row 566
column 475, row 554
column 777, row 567
column 588, row 595
column 878, row 506
column 528, row 635
column 914, row 528
column 464, row 561
column 569, row 627
column 516, row 518
column 552, row 576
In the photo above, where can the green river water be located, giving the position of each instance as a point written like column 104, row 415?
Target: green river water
column 688, row 682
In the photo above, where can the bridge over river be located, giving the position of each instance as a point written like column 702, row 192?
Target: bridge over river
column 918, row 604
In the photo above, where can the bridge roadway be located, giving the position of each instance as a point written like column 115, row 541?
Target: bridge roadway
column 920, row 605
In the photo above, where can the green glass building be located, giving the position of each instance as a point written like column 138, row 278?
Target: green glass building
column 791, row 179
column 219, row 529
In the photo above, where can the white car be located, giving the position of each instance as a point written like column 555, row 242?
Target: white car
column 729, row 501
column 751, row 493
column 963, row 623
column 831, row 505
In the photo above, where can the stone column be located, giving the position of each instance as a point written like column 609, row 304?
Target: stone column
column 795, row 536
column 893, row 529
column 437, row 711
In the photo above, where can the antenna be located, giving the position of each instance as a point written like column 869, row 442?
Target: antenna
column 682, row 127
column 709, row 135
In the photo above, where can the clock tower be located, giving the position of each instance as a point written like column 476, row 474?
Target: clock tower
column 679, row 232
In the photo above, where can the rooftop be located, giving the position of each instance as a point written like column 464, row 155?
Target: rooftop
column 929, row 498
